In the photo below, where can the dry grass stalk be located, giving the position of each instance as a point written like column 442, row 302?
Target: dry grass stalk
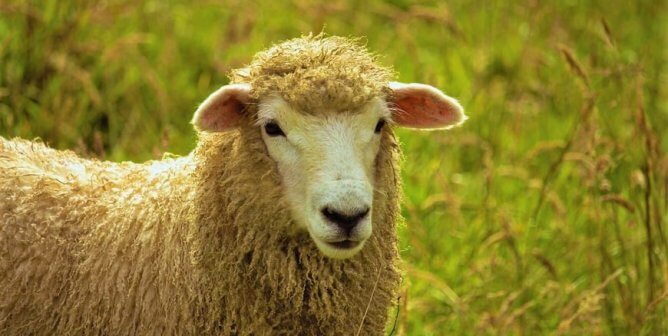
column 573, row 63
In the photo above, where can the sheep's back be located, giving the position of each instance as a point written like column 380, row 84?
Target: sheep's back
column 59, row 216
column 37, row 237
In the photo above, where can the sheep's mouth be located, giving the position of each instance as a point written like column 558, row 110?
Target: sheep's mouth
column 344, row 244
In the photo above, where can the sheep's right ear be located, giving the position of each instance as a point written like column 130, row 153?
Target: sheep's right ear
column 223, row 109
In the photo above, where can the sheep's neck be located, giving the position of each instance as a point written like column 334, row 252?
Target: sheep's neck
column 253, row 265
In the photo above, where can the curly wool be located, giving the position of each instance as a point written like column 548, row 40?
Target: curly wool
column 316, row 72
column 201, row 244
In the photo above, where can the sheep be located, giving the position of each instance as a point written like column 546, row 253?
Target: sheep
column 282, row 220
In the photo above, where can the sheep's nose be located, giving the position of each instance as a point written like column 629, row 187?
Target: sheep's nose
column 345, row 220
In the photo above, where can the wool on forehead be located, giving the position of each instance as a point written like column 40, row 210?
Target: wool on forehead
column 316, row 73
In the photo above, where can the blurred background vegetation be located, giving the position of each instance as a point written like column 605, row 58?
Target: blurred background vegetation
column 544, row 214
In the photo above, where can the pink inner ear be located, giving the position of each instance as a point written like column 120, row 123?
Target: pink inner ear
column 223, row 109
column 222, row 114
column 423, row 106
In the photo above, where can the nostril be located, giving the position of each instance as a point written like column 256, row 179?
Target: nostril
column 361, row 214
column 346, row 221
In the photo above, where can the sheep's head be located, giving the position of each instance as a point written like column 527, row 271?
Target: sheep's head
column 322, row 104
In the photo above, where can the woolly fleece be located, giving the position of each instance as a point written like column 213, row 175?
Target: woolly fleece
column 316, row 72
column 201, row 244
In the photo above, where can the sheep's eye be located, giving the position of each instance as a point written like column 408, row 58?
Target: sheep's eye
column 273, row 129
column 379, row 125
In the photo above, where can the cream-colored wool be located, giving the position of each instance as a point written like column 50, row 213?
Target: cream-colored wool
column 201, row 244
column 316, row 71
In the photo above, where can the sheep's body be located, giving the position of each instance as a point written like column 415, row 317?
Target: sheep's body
column 92, row 247
column 231, row 239
column 179, row 246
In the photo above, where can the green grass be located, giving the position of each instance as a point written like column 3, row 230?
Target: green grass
column 545, row 214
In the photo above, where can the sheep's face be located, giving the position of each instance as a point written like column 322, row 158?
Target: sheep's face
column 326, row 158
column 326, row 161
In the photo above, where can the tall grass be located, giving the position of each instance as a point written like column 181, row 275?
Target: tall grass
column 545, row 214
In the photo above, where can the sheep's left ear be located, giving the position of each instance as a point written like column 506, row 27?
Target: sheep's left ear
column 424, row 107
column 223, row 109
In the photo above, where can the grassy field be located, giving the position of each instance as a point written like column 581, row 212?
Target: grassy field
column 546, row 213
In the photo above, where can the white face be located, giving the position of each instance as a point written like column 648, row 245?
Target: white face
column 327, row 169
column 327, row 161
